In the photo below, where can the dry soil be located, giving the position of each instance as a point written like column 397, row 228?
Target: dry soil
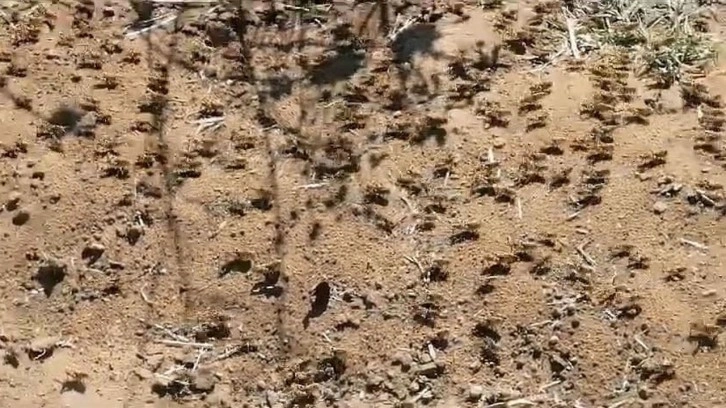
column 310, row 206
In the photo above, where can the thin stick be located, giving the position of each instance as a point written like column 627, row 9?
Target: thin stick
column 549, row 385
column 168, row 332
column 171, row 334
column 519, row 208
column 188, row 2
column 185, row 344
column 395, row 33
column 642, row 344
column 432, row 352
column 581, row 250
column 571, row 22
column 620, row 403
column 513, row 403
column 416, row 262
column 214, row 119
column 311, row 186
column 163, row 377
column 162, row 21
column 409, row 205
column 173, row 370
column 209, row 123
column 551, row 59
column 420, row 394
column 694, row 244
column 199, row 358
column 296, row 8
column 228, row 353
column 146, row 298
column 706, row 198
column 540, row 324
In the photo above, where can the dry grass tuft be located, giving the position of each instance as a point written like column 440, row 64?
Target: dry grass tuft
column 668, row 37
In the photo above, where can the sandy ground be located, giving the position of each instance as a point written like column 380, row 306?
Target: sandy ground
column 311, row 217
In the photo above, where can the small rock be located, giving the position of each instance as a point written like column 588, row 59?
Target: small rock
column 475, row 392
column 448, row 403
column 374, row 381
column 504, row 394
column 21, row 217
column 155, row 361
column 426, row 396
column 403, row 359
column 372, row 300
column 92, row 252
column 644, row 393
column 210, row 72
column 692, row 197
column 86, row 124
column 13, row 201
column 431, row 370
column 218, row 399
column 271, row 398
column 398, row 390
column 644, row 176
column 498, row 143
column 133, row 234
column 143, row 373
column 660, row 207
column 203, row 381
column 425, row 358
column 709, row 293
column 353, row 404
column 160, row 386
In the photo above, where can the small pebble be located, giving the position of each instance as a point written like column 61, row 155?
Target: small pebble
column 709, row 293
column 21, row 217
column 403, row 359
column 203, row 381
column 93, row 251
column 644, row 177
column 13, row 201
column 475, row 393
column 660, row 207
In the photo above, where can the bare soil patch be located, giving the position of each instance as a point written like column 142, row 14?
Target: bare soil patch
column 381, row 204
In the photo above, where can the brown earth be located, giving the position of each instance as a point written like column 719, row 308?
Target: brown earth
column 437, row 222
